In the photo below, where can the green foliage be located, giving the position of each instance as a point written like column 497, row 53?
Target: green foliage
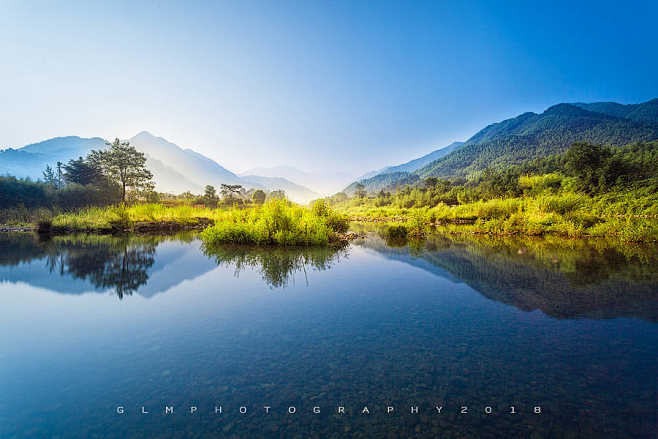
column 337, row 223
column 258, row 196
column 611, row 192
column 81, row 172
column 210, row 198
column 277, row 195
column 123, row 165
column 396, row 231
column 277, row 222
column 530, row 136
column 320, row 208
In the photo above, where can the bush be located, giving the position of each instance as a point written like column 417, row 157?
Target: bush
column 277, row 222
column 560, row 203
column 320, row 208
column 397, row 231
column 338, row 223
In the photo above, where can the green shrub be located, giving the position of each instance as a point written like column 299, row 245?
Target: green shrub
column 277, row 222
column 338, row 223
column 396, row 231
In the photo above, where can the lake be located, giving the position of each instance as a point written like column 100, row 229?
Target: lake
column 451, row 337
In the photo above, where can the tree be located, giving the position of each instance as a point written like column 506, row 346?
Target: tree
column 277, row 195
column 360, row 190
column 431, row 182
column 123, row 164
column 49, row 176
column 258, row 196
column 59, row 175
column 210, row 197
column 232, row 194
column 231, row 190
column 81, row 172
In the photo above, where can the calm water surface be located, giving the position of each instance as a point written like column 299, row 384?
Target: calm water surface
column 89, row 323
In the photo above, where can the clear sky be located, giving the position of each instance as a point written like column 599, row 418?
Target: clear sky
column 356, row 85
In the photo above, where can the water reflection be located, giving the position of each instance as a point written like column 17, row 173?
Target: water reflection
column 563, row 278
column 125, row 264
column 120, row 264
column 407, row 325
column 277, row 266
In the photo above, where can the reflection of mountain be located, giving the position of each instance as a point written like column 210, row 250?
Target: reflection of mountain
column 563, row 279
column 93, row 263
column 425, row 261
column 277, row 266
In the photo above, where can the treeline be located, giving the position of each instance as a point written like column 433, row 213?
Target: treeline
column 584, row 167
column 115, row 175
column 104, row 177
column 230, row 195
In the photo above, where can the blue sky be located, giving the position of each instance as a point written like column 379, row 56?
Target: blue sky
column 356, row 85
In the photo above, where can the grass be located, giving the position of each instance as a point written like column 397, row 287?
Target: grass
column 630, row 216
column 105, row 219
column 277, row 222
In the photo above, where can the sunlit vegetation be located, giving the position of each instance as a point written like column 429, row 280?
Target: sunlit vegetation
column 588, row 191
column 277, row 222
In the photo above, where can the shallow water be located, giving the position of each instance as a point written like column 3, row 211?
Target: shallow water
column 90, row 324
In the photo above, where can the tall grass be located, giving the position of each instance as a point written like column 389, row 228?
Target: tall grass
column 276, row 222
column 125, row 217
column 630, row 216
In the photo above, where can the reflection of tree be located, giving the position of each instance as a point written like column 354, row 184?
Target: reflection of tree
column 118, row 263
column 277, row 265
column 564, row 278
column 120, row 267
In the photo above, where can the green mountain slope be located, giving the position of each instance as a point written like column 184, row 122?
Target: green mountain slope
column 645, row 112
column 533, row 135
column 383, row 182
column 389, row 177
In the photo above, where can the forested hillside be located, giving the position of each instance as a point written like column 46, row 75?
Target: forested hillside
column 526, row 137
column 538, row 135
column 644, row 112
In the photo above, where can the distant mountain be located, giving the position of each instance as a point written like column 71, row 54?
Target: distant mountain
column 418, row 163
column 295, row 192
column 383, row 181
column 391, row 176
column 288, row 172
column 197, row 168
column 31, row 160
column 168, row 180
column 525, row 137
column 323, row 182
column 175, row 169
column 533, row 135
column 184, row 169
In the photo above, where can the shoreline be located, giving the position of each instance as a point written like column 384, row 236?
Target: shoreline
column 168, row 227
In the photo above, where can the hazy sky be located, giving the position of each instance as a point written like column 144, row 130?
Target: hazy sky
column 357, row 85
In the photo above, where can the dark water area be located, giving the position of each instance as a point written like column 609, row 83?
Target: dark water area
column 374, row 336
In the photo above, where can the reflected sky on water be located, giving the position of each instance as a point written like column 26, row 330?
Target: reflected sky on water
column 93, row 322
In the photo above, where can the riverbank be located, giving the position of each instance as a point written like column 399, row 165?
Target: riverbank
column 277, row 222
column 570, row 216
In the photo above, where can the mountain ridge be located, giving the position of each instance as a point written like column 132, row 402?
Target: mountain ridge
column 192, row 170
column 531, row 135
